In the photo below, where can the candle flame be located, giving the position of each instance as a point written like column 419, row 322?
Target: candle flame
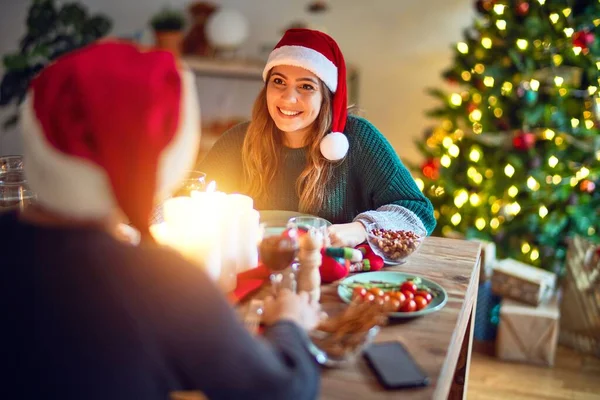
column 211, row 187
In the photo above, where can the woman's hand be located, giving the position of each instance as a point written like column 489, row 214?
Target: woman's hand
column 292, row 307
column 347, row 235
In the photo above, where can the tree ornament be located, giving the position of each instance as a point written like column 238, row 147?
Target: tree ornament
column 524, row 140
column 522, row 8
column 431, row 168
column 583, row 39
column 484, row 6
column 587, row 186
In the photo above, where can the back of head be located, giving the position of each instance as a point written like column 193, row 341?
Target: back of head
column 109, row 127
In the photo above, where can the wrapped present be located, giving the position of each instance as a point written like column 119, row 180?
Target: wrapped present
column 487, row 314
column 580, row 305
column 528, row 333
column 522, row 282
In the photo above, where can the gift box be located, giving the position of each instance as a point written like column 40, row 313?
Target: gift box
column 522, row 282
column 580, row 305
column 487, row 314
column 528, row 333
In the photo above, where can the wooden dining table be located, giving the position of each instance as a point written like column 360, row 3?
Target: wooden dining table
column 440, row 342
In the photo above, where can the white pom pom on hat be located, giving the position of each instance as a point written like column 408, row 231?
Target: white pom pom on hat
column 318, row 53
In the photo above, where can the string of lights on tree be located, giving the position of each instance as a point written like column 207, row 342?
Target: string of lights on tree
column 516, row 156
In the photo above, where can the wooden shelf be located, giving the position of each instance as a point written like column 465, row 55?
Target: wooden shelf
column 224, row 68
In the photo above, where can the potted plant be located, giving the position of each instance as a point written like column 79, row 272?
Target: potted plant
column 51, row 32
column 168, row 30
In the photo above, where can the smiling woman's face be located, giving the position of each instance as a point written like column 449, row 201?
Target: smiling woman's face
column 294, row 99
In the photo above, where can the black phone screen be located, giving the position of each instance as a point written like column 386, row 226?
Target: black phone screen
column 394, row 366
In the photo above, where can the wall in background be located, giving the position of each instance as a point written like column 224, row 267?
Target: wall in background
column 399, row 47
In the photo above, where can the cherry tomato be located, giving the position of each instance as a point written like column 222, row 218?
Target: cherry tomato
column 409, row 286
column 400, row 296
column 408, row 294
column 376, row 291
column 421, row 302
column 359, row 292
column 392, row 304
column 409, row 306
column 425, row 294
column 370, row 297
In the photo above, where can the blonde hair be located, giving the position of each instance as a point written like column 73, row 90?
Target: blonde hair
column 261, row 157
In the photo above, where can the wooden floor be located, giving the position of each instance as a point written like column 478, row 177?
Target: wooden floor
column 574, row 376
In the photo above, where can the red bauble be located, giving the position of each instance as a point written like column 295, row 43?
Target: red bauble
column 583, row 39
column 524, row 140
column 431, row 168
column 522, row 9
column 484, row 6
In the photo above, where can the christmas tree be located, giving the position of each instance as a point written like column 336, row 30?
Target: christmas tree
column 515, row 158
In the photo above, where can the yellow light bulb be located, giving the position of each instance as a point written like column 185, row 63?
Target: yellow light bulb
column 552, row 161
column 478, row 178
column 589, row 124
column 454, row 151
column 522, row 44
column 543, row 211
column 474, row 199
column 455, row 219
column 456, row 99
column 509, row 170
column 573, row 182
column 498, row 112
column 554, row 18
column 492, row 100
column 506, row 88
column 592, row 90
column 534, row 255
column 475, row 115
column 525, row 248
column 499, row 9
column 591, row 231
column 501, row 24
column 494, row 223
column 475, row 155
column 480, row 223
column 563, row 92
column 533, row 184
column 420, row 184
column 567, row 12
column 557, row 59
column 574, row 122
column 477, row 128
column 461, row 198
column 488, row 81
column 466, row 75
column 513, row 191
column 558, row 140
column 462, row 47
column 556, row 179
column 582, row 173
column 549, row 134
column 447, row 142
column 542, row 2
column 479, row 68
column 558, row 80
column 445, row 161
column 577, row 50
column 568, row 32
column 535, row 84
column 489, row 173
column 486, row 42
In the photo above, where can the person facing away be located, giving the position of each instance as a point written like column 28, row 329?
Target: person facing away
column 107, row 130
column 302, row 152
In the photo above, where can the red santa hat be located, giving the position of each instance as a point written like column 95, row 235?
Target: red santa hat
column 109, row 126
column 318, row 53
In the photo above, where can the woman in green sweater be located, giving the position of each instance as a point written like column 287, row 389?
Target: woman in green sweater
column 302, row 152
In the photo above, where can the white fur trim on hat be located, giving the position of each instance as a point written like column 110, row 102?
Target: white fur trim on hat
column 334, row 146
column 307, row 58
column 75, row 187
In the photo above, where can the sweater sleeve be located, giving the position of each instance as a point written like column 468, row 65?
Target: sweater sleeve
column 210, row 350
column 223, row 162
column 385, row 177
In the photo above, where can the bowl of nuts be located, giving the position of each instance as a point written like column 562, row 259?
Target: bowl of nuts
column 394, row 244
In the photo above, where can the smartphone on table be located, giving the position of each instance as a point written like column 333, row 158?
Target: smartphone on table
column 394, row 366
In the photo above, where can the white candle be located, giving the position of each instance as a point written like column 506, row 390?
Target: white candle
column 249, row 238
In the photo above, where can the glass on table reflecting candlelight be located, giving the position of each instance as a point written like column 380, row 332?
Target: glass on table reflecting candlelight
column 277, row 250
column 195, row 181
column 304, row 223
column 15, row 194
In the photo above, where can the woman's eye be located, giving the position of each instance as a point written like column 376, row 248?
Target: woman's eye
column 306, row 86
column 278, row 81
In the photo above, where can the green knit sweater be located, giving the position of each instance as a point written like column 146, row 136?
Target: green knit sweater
column 369, row 177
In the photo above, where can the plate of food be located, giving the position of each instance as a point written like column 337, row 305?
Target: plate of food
column 403, row 295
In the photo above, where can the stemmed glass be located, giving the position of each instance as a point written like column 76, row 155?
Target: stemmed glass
column 14, row 191
column 277, row 250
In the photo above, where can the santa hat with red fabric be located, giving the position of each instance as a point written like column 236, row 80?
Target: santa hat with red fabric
column 318, row 53
column 107, row 127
